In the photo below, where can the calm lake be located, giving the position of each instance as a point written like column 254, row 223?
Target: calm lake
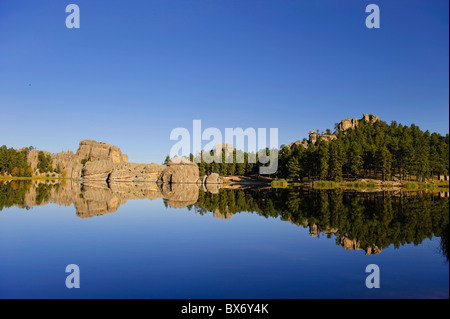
column 147, row 241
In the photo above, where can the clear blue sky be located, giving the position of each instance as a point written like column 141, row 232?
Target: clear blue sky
column 137, row 69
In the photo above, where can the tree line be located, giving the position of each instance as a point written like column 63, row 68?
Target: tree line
column 376, row 150
column 14, row 162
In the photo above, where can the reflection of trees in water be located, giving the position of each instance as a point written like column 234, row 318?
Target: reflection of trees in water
column 13, row 193
column 444, row 241
column 370, row 221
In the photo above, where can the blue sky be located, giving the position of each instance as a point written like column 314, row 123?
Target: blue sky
column 135, row 70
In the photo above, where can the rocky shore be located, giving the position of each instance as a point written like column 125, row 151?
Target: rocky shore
column 101, row 162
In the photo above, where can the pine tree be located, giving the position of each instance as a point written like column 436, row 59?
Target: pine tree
column 293, row 168
column 355, row 160
column 323, row 157
column 336, row 161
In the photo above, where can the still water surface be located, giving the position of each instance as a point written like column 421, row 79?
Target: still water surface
column 147, row 241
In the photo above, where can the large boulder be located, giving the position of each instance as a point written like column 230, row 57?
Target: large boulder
column 99, row 151
column 348, row 124
column 370, row 118
column 180, row 170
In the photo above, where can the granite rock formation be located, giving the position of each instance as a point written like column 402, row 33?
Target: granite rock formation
column 344, row 126
column 102, row 162
column 352, row 124
column 180, row 170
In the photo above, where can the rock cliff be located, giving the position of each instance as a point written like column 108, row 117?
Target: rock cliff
column 102, row 162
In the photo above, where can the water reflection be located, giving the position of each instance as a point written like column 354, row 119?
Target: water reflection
column 357, row 221
column 368, row 221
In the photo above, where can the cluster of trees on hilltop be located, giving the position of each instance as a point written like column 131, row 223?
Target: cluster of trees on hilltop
column 373, row 149
column 14, row 162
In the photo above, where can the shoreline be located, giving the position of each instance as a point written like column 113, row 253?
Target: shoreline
column 241, row 182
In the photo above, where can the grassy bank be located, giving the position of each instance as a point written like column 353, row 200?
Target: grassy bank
column 15, row 178
column 364, row 185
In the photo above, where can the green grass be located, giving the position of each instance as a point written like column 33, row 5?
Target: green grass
column 419, row 186
column 282, row 183
column 295, row 184
column 323, row 184
column 14, row 178
column 360, row 185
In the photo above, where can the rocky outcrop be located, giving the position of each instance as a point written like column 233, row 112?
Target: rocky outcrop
column 348, row 124
column 69, row 163
column 98, row 161
column 370, row 118
column 303, row 143
column 352, row 124
column 180, row 170
column 314, row 137
column 134, row 172
column 99, row 151
column 98, row 170
column 344, row 126
column 32, row 158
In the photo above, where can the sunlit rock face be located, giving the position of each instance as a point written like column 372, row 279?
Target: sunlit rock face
column 98, row 161
column 180, row 170
column 133, row 172
column 99, row 151
column 344, row 126
column 352, row 124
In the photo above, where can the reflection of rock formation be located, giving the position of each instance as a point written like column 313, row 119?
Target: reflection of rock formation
column 353, row 244
column 342, row 240
column 179, row 195
column 218, row 214
column 99, row 198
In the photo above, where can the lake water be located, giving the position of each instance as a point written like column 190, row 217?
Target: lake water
column 148, row 241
